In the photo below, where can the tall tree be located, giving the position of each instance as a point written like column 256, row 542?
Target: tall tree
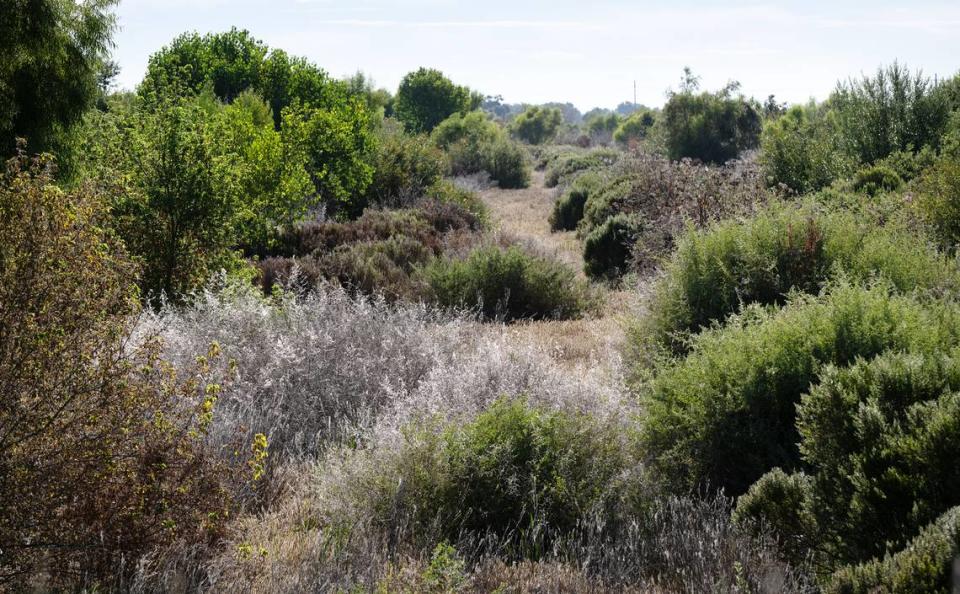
column 54, row 52
column 427, row 97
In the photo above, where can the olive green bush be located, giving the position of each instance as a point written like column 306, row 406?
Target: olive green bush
column 784, row 248
column 404, row 167
column 710, row 127
column 938, row 200
column 923, row 566
column 506, row 162
column 568, row 210
column 537, row 125
column 475, row 144
column 725, row 414
column 508, row 284
column 571, row 163
column 426, row 97
column 876, row 179
column 607, row 249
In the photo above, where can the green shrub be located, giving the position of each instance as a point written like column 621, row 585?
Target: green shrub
column 506, row 162
column 537, row 125
column 725, row 414
column 783, row 248
column 877, row 179
column 568, row 210
column 307, row 239
column 802, row 150
column 474, row 128
column 568, row 164
column 710, row 127
column 784, row 504
column 607, row 249
column 513, row 467
column 508, row 284
column 446, row 192
column 882, row 439
column 404, row 167
column 938, row 201
column 608, row 199
column 909, row 165
column 378, row 267
column 924, row 566
column 426, row 97
column 635, row 127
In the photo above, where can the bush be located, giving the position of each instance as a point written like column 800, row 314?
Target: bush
column 881, row 438
column 102, row 445
column 939, row 201
column 508, row 284
column 426, row 98
column 383, row 267
column 607, row 249
column 568, row 164
column 537, row 125
column 635, row 127
column 877, row 179
column 923, row 566
column 802, row 150
column 568, row 210
column 474, row 128
column 784, row 504
column 506, row 162
column 782, row 249
column 448, row 193
column 404, row 167
column 725, row 414
column 893, row 111
column 710, row 127
column 512, row 467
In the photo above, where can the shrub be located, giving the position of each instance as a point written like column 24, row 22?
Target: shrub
column 506, row 162
column 382, row 267
column 309, row 238
column 784, row 504
column 537, row 125
column 568, row 164
column 923, row 566
column 635, row 127
column 877, row 179
column 447, row 192
column 508, row 284
column 939, row 201
column 802, row 150
column 909, row 165
column 568, row 210
column 512, row 467
column 474, row 128
column 725, row 414
column 783, row 249
column 102, row 442
column 606, row 250
column 894, row 110
column 881, row 438
column 426, row 98
column 404, row 167
column 710, row 127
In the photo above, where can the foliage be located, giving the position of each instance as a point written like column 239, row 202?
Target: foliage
column 447, row 192
column 570, row 163
column 725, row 413
column 893, row 111
column 404, row 168
column 568, row 210
column 537, row 125
column 601, row 126
column 939, row 201
column 337, row 143
column 803, row 149
column 635, row 127
column 710, row 127
column 607, row 249
column 54, row 53
column 180, row 201
column 473, row 128
column 784, row 503
column 101, row 441
column 506, row 162
column 508, row 284
column 426, row 98
column 784, row 248
column 877, row 179
column 923, row 566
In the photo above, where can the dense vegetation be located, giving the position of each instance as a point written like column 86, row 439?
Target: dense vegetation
column 262, row 329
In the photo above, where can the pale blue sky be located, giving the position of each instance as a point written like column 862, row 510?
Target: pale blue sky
column 588, row 53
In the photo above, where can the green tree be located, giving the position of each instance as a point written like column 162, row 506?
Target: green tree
column 53, row 52
column 537, row 125
column 635, row 127
column 894, row 110
column 426, row 98
column 711, row 127
column 229, row 61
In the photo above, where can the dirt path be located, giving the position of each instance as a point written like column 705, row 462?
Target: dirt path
column 593, row 340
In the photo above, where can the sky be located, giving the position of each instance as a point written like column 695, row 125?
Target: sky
column 587, row 53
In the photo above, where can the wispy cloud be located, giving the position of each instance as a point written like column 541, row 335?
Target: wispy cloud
column 501, row 24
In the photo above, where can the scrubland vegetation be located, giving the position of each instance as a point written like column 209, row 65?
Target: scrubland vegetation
column 257, row 330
